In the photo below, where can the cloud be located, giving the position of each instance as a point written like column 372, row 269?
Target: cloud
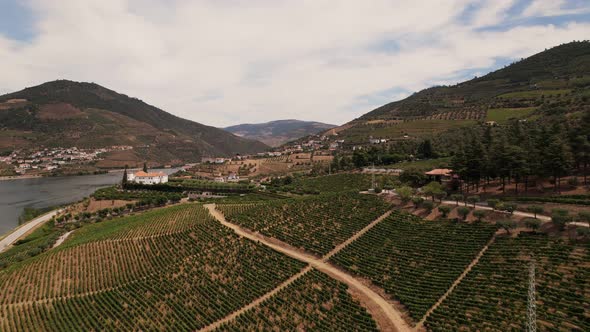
column 226, row 62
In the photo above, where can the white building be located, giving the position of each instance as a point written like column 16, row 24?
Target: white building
column 147, row 178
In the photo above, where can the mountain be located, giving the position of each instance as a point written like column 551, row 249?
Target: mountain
column 86, row 115
column 275, row 133
column 555, row 80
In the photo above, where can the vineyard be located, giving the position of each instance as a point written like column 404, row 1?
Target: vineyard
column 465, row 114
column 414, row 261
column 330, row 183
column 316, row 224
column 314, row 302
column 174, row 269
column 493, row 296
column 112, row 193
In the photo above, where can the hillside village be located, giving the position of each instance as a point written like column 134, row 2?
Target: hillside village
column 44, row 161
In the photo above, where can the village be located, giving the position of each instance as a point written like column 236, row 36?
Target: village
column 50, row 159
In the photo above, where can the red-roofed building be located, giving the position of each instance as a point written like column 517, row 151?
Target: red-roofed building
column 440, row 174
column 147, row 178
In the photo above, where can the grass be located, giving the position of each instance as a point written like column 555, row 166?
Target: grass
column 504, row 114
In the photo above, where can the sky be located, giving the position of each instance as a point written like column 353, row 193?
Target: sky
column 225, row 62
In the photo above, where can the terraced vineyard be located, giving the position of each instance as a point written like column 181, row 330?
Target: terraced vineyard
column 493, row 296
column 414, row 261
column 132, row 277
column 316, row 224
column 333, row 183
column 314, row 302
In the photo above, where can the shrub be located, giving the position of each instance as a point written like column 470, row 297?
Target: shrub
column 417, row 201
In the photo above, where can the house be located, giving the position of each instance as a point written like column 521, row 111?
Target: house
column 440, row 174
column 142, row 177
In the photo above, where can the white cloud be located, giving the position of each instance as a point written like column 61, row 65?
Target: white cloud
column 225, row 62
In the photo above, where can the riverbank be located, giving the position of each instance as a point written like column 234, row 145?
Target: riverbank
column 19, row 177
column 24, row 229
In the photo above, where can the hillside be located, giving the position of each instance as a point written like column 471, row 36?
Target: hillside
column 275, row 133
column 86, row 115
column 556, row 80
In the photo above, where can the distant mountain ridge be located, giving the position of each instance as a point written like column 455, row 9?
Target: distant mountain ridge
column 87, row 115
column 275, row 133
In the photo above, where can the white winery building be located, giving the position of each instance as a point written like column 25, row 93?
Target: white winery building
column 147, row 178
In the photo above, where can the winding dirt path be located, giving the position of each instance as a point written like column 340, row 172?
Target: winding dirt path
column 456, row 282
column 387, row 317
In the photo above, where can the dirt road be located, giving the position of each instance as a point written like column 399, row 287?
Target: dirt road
column 394, row 320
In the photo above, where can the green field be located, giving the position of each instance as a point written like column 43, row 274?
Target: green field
column 504, row 114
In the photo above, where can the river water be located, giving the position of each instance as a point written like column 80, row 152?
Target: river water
column 15, row 195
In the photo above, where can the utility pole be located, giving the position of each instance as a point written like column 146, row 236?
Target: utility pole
column 532, row 302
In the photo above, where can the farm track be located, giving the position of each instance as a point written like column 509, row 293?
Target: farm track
column 387, row 317
column 456, row 283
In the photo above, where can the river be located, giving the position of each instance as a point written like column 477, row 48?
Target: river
column 17, row 194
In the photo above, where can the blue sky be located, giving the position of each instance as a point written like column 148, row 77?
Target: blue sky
column 227, row 62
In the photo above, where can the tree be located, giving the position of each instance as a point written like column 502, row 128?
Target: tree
column 360, row 159
column 479, row 214
column 509, row 207
column 428, row 205
column 444, row 210
column 417, row 201
column 405, row 193
column 463, row 211
column 473, row 199
column 433, row 189
column 558, row 159
column 412, row 176
column 124, row 180
column 493, row 203
column 532, row 223
column 457, row 198
column 507, row 225
column 535, row 209
column 145, row 169
column 560, row 218
column 425, row 150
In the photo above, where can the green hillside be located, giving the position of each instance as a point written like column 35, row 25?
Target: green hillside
column 87, row 115
column 553, row 81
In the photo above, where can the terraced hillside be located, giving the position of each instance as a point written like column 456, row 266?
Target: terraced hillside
column 555, row 81
column 314, row 302
column 181, row 272
column 494, row 294
column 86, row 115
column 316, row 224
column 414, row 261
